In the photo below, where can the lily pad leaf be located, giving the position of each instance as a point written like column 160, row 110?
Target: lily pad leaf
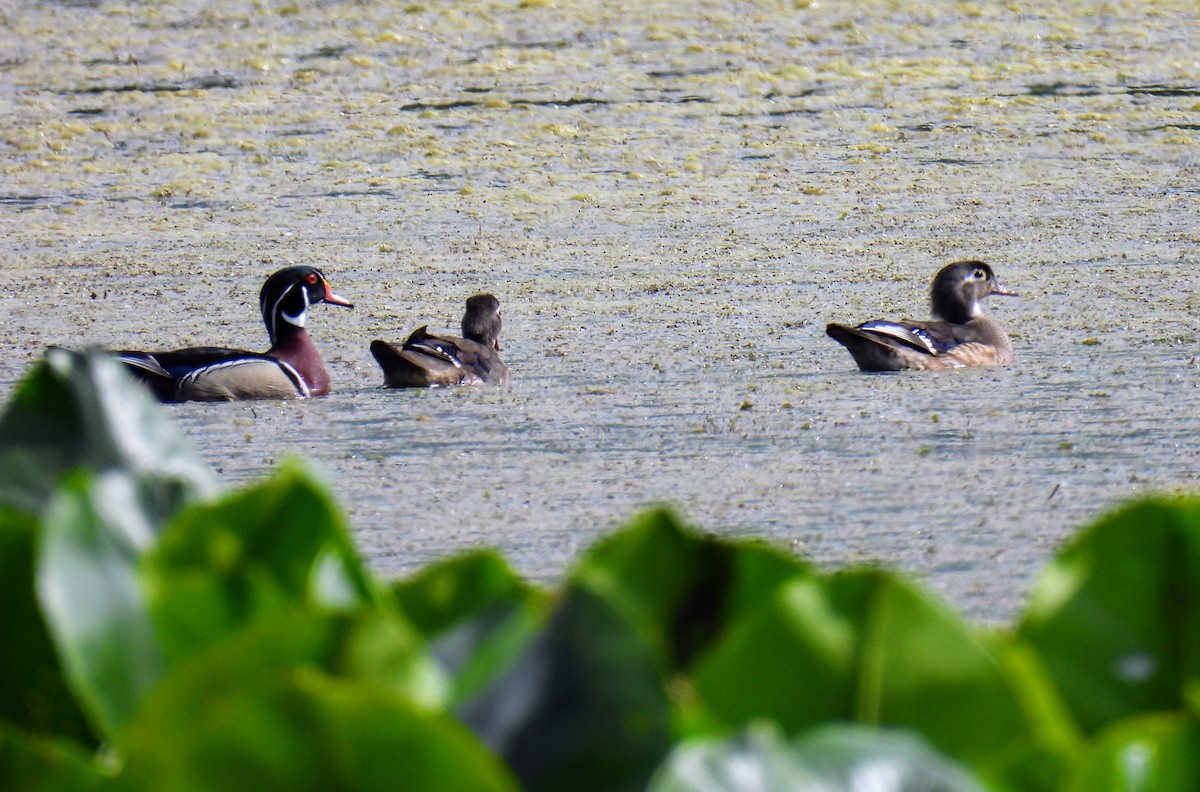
column 88, row 587
column 33, row 690
column 1142, row 754
column 78, row 409
column 583, row 706
column 260, row 709
column 1115, row 617
column 841, row 758
column 680, row 586
column 867, row 646
column 32, row 764
column 273, row 545
column 445, row 593
column 476, row 614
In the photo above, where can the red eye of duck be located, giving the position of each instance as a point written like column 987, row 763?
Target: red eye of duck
column 311, row 278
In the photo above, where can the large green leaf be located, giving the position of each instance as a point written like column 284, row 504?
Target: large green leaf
column 31, row 764
column 840, row 758
column 476, row 614
column 1053, row 730
column 33, row 691
column 274, row 545
column 271, row 708
column 758, row 759
column 869, row 647
column 582, row 708
column 1116, row 615
column 82, row 410
column 87, row 583
column 74, row 412
column 447, row 592
column 1153, row 753
column 274, row 548
column 682, row 588
column 378, row 646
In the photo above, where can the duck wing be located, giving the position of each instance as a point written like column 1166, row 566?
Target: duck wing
column 424, row 343
column 145, row 368
column 163, row 372
column 931, row 338
column 473, row 358
column 181, row 361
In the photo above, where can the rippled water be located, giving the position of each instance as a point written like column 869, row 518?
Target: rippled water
column 671, row 200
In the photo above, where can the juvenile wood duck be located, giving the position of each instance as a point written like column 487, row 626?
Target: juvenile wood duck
column 290, row 369
column 426, row 360
column 963, row 337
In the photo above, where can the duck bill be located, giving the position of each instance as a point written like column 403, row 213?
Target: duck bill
column 1003, row 292
column 330, row 297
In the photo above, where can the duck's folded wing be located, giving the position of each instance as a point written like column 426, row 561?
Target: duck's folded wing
column 180, row 361
column 482, row 360
column 927, row 337
column 143, row 364
column 440, row 347
column 146, row 368
column 472, row 357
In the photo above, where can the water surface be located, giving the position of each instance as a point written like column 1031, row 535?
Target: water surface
column 670, row 199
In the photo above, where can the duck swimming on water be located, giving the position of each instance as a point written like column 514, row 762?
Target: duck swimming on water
column 292, row 368
column 960, row 335
column 426, row 360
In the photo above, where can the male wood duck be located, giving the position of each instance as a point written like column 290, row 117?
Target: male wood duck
column 963, row 337
column 426, row 360
column 290, row 369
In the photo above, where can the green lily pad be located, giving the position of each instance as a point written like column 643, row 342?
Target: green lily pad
column 831, row 759
column 1115, row 617
column 76, row 410
column 581, row 708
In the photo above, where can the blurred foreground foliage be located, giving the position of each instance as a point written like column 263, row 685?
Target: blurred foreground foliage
column 160, row 633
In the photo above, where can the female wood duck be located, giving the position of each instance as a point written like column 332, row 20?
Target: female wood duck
column 964, row 337
column 426, row 360
column 290, row 369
